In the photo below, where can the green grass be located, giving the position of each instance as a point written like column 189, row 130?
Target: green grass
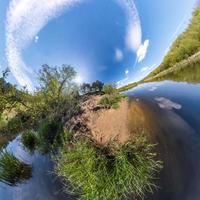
column 111, row 100
column 12, row 170
column 110, row 173
column 29, row 140
column 50, row 136
column 127, row 87
column 188, row 74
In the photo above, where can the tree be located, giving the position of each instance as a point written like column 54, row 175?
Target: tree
column 85, row 88
column 97, row 86
column 9, row 95
column 57, row 94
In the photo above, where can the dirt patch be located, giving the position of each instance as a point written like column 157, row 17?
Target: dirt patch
column 110, row 124
column 105, row 125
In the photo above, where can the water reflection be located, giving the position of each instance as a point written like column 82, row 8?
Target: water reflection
column 12, row 170
column 43, row 185
column 171, row 113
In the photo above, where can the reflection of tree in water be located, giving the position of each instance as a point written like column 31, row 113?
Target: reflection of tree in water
column 12, row 170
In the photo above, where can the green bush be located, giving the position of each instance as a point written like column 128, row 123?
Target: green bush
column 50, row 135
column 12, row 170
column 29, row 140
column 110, row 173
column 109, row 89
column 111, row 100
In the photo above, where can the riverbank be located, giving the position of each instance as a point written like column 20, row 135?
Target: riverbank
column 107, row 155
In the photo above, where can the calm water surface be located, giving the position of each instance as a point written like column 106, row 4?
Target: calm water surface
column 42, row 186
column 175, row 108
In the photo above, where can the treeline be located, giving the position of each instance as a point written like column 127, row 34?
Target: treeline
column 96, row 86
column 186, row 45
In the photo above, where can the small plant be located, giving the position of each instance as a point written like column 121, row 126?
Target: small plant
column 109, row 89
column 110, row 173
column 111, row 100
column 50, row 135
column 29, row 140
column 12, row 170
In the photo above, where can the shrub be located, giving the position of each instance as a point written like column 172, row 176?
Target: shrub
column 50, row 134
column 12, row 170
column 29, row 140
column 110, row 173
column 111, row 100
column 109, row 89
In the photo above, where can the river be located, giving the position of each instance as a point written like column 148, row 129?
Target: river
column 174, row 115
column 43, row 185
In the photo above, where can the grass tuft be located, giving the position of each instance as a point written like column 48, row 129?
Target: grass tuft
column 50, row 136
column 111, row 100
column 29, row 140
column 12, row 170
column 110, row 173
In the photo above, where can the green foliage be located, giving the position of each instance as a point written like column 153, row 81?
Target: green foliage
column 57, row 96
column 13, row 126
column 111, row 100
column 50, row 135
column 186, row 45
column 96, row 86
column 112, row 97
column 189, row 74
column 109, row 173
column 109, row 89
column 127, row 87
column 12, row 170
column 9, row 95
column 58, row 93
column 29, row 140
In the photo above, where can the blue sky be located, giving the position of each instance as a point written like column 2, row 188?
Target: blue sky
column 110, row 40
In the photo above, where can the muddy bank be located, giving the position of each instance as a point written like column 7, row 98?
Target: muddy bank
column 108, row 124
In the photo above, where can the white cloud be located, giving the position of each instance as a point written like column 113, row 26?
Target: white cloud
column 134, row 32
column 36, row 38
column 152, row 89
column 126, row 72
column 25, row 18
column 167, row 103
column 144, row 69
column 142, row 51
column 119, row 55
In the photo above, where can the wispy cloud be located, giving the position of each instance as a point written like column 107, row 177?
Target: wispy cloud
column 142, row 51
column 148, row 68
column 134, row 30
column 118, row 55
column 36, row 39
column 25, row 18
